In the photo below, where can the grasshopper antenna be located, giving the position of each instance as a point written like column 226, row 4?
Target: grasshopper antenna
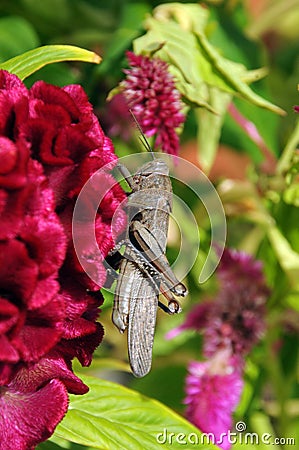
column 142, row 137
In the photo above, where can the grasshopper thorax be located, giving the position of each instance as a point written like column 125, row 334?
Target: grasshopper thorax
column 157, row 166
column 151, row 174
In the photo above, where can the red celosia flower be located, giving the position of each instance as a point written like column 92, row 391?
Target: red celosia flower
column 50, row 144
column 152, row 96
column 213, row 391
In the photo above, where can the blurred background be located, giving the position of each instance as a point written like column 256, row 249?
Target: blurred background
column 255, row 33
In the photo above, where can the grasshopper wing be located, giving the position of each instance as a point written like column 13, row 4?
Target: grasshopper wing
column 141, row 327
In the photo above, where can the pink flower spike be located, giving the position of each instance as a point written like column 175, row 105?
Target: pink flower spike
column 235, row 316
column 213, row 391
column 151, row 94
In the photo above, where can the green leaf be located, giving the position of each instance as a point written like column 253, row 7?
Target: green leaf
column 180, row 31
column 29, row 62
column 100, row 364
column 285, row 160
column 165, row 384
column 113, row 417
column 250, row 377
column 232, row 77
column 189, row 16
column 205, row 78
column 47, row 11
column 59, row 74
column 16, row 36
column 287, row 257
column 210, row 124
column 292, row 300
column 61, row 444
column 48, row 445
column 291, row 195
column 127, row 30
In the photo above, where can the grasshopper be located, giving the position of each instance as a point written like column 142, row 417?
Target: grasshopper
column 144, row 271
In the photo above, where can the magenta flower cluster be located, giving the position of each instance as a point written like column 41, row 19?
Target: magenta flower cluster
column 50, row 144
column 231, row 324
column 151, row 94
column 213, row 391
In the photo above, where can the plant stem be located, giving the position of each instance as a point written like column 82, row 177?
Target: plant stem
column 287, row 154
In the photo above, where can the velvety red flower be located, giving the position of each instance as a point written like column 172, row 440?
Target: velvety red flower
column 66, row 137
column 50, row 144
column 153, row 98
column 14, row 157
column 81, row 333
column 98, row 220
column 35, row 401
column 32, row 197
column 31, row 313
column 14, row 150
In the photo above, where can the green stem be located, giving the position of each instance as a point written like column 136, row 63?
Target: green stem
column 288, row 152
column 279, row 384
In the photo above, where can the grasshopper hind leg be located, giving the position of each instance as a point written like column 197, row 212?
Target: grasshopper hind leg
column 173, row 307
